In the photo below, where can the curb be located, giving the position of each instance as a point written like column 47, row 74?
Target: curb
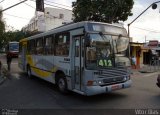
column 148, row 71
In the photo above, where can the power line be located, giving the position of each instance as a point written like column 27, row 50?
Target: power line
column 2, row 1
column 17, row 16
column 58, row 4
column 54, row 6
column 12, row 6
column 150, row 30
column 29, row 5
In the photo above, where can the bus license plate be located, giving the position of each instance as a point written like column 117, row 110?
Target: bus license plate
column 115, row 87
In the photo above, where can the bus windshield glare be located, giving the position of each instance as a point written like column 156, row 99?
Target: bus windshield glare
column 102, row 49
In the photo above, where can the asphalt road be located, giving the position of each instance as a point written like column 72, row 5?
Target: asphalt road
column 20, row 92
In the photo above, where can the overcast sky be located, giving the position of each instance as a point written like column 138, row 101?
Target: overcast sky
column 148, row 25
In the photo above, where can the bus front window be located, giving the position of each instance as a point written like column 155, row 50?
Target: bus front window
column 14, row 47
column 120, row 45
column 98, row 51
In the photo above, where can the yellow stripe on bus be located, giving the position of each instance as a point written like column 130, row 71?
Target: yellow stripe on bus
column 40, row 72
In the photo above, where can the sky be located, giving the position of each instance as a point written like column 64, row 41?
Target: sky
column 146, row 27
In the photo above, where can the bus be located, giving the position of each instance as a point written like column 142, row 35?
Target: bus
column 87, row 57
column 12, row 48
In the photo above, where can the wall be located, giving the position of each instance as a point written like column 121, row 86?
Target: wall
column 51, row 18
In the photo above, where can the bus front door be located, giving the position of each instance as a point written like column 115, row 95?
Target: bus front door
column 78, row 62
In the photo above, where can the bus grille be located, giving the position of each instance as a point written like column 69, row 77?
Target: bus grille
column 115, row 72
column 114, row 75
column 116, row 79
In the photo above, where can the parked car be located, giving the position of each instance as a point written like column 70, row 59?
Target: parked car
column 158, row 80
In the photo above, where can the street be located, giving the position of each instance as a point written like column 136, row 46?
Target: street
column 87, row 47
column 19, row 91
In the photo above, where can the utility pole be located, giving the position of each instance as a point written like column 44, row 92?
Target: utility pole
column 12, row 6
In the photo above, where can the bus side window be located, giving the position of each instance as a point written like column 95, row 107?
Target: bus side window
column 48, row 45
column 77, row 48
column 62, row 42
column 31, row 47
column 39, row 46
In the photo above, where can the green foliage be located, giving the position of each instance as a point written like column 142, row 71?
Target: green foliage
column 11, row 36
column 2, row 24
column 14, row 36
column 2, row 29
column 102, row 10
column 8, row 36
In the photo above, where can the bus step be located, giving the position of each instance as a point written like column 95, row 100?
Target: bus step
column 77, row 91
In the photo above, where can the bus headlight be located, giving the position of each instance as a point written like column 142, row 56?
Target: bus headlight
column 100, row 82
column 126, row 78
column 92, row 83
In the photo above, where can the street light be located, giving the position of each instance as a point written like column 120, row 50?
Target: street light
column 154, row 6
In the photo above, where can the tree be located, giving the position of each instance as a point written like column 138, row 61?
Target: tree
column 12, row 36
column 2, row 29
column 102, row 10
column 2, row 24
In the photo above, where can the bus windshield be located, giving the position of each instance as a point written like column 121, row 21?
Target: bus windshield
column 120, row 43
column 14, row 46
column 101, row 49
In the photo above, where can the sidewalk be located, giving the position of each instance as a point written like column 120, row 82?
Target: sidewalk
column 3, row 74
column 149, row 69
column 144, row 71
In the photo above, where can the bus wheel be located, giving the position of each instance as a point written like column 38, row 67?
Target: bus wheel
column 29, row 72
column 62, row 83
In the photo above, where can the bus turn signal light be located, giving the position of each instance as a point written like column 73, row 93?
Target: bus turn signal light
column 89, row 83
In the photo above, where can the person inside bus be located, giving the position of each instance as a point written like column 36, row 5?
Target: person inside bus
column 9, row 60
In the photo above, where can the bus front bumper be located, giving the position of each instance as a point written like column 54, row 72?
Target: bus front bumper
column 93, row 90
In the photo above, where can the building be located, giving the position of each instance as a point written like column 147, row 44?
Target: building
column 149, row 49
column 144, row 52
column 135, row 50
column 51, row 18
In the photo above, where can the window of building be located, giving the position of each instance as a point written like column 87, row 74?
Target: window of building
column 33, row 25
column 62, row 42
column 61, row 16
column 36, row 23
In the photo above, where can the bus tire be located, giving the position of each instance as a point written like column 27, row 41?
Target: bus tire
column 62, row 83
column 29, row 73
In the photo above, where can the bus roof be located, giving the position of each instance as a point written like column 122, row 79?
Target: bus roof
column 70, row 27
column 13, row 42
